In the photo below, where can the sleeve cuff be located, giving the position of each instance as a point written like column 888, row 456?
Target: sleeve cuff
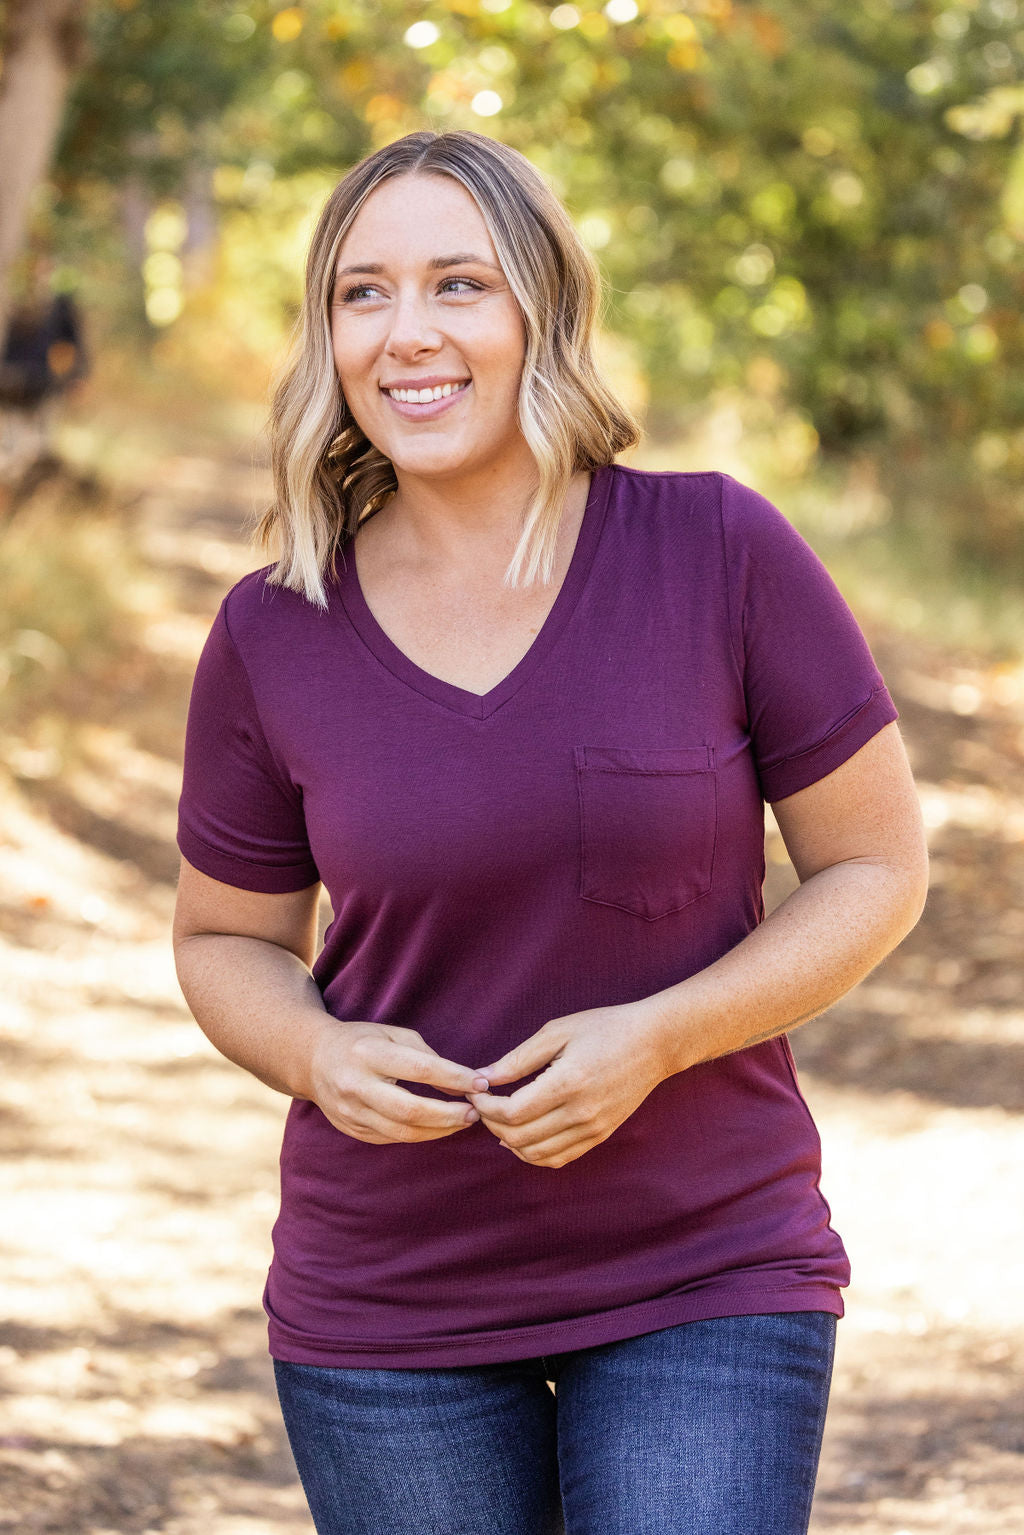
column 268, row 879
column 795, row 773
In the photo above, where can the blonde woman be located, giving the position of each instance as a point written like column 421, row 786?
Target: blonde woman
column 518, row 708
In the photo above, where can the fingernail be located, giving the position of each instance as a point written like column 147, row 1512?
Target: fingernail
column 471, row 1115
column 480, row 1084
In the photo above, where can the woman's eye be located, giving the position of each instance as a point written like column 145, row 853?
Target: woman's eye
column 465, row 285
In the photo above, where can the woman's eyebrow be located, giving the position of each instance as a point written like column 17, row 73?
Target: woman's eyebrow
column 434, row 265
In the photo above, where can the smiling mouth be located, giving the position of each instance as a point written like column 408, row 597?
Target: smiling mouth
column 425, row 396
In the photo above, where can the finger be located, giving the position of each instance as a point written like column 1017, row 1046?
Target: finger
column 386, row 1132
column 557, row 1150
column 417, row 1113
column 537, row 1051
column 364, row 1122
column 528, row 1138
column 407, row 1064
column 544, row 1096
column 411, row 1037
column 522, row 1129
column 411, row 1135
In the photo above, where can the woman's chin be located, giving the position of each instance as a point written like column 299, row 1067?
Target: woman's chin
column 437, row 465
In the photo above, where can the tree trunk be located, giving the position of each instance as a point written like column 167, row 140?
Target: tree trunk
column 40, row 48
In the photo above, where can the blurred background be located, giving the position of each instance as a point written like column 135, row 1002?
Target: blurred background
column 810, row 218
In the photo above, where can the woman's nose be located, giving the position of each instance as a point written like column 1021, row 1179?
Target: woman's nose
column 412, row 326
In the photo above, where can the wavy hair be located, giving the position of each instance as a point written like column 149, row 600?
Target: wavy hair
column 328, row 476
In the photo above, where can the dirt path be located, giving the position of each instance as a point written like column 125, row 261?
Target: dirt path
column 137, row 1391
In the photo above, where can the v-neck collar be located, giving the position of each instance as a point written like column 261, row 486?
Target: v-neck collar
column 461, row 700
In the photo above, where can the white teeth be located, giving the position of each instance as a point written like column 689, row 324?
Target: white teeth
column 422, row 396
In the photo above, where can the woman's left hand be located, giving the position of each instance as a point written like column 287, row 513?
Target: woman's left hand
column 600, row 1066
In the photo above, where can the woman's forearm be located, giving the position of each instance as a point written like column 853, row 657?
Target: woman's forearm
column 824, row 938
column 258, row 1005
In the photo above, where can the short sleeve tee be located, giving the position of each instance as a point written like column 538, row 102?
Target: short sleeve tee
column 587, row 833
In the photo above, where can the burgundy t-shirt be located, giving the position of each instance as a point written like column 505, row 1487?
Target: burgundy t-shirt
column 587, row 833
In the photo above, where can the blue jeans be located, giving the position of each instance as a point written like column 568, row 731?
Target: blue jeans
column 711, row 1428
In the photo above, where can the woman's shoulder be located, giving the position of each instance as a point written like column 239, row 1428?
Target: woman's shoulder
column 252, row 591
column 630, row 476
column 257, row 606
column 686, row 485
column 717, row 495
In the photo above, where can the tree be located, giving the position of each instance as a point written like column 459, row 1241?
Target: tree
column 819, row 205
column 41, row 45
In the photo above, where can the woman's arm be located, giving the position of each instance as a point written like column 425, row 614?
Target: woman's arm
column 244, row 958
column 243, row 961
column 856, row 839
column 857, row 842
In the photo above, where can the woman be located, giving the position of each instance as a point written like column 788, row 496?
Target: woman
column 523, row 735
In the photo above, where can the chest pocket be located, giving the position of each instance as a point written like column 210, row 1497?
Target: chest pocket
column 648, row 822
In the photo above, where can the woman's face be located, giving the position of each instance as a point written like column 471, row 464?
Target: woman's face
column 420, row 300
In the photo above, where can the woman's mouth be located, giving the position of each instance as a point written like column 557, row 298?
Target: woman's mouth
column 425, row 404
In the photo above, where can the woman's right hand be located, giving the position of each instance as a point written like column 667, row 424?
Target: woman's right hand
column 354, row 1073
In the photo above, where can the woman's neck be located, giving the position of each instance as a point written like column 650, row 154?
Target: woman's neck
column 449, row 522
column 466, row 532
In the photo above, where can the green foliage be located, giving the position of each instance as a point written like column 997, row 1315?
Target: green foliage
column 821, row 205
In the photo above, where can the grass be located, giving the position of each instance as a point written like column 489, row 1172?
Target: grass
column 73, row 590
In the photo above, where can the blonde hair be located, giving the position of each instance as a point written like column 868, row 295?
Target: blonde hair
column 328, row 476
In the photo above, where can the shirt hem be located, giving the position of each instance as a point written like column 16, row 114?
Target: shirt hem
column 561, row 1337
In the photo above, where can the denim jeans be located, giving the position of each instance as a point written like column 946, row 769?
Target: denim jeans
column 710, row 1428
